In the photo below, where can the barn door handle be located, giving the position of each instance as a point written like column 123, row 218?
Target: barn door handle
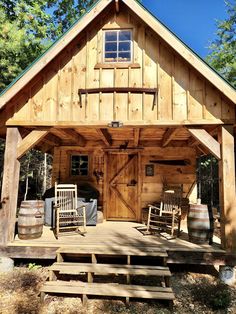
column 132, row 183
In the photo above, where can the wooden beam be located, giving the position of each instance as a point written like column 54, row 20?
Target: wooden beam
column 45, row 147
column 193, row 142
column 105, row 136
column 168, row 136
column 227, row 189
column 30, row 141
column 136, row 137
column 10, row 183
column 117, row 6
column 52, row 139
column 206, row 140
column 73, row 135
column 201, row 149
column 103, row 123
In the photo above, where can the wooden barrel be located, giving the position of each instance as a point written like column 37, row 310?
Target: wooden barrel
column 200, row 224
column 30, row 219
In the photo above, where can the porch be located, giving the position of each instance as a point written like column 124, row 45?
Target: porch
column 110, row 235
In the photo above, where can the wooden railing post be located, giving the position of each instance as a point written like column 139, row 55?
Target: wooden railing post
column 10, row 185
column 227, row 188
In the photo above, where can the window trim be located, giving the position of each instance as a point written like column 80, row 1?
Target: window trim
column 131, row 46
column 88, row 168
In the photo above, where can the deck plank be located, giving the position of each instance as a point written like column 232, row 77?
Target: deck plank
column 78, row 268
column 110, row 234
column 101, row 289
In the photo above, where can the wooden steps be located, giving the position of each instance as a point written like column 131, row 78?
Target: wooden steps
column 104, row 269
column 108, row 289
column 123, row 262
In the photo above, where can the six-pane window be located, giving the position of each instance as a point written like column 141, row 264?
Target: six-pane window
column 118, row 46
column 79, row 165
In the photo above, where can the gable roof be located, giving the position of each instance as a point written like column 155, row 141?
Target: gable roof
column 137, row 8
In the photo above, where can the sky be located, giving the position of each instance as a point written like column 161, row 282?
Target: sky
column 193, row 21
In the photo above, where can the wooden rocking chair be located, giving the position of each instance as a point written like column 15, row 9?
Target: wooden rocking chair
column 68, row 217
column 166, row 216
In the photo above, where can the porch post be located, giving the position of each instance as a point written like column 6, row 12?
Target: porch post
column 10, row 185
column 227, row 189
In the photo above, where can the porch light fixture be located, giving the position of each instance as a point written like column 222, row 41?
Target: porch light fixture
column 115, row 124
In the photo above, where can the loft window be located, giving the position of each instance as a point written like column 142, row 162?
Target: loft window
column 79, row 165
column 118, row 46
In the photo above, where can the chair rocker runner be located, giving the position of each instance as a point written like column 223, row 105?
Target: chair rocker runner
column 68, row 216
column 166, row 216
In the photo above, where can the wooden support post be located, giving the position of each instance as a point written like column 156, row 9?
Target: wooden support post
column 227, row 189
column 42, row 296
column 94, row 258
column 52, row 275
column 84, row 300
column 90, row 277
column 128, row 275
column 10, row 184
column 60, row 257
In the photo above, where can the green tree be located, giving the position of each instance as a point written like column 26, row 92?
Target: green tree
column 223, row 48
column 66, row 12
column 28, row 27
column 25, row 32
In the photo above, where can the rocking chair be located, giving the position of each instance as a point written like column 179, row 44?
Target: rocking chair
column 68, row 217
column 166, row 216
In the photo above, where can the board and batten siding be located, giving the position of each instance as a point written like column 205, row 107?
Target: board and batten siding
column 184, row 96
column 151, row 186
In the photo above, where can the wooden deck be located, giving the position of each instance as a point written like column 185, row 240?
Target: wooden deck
column 120, row 234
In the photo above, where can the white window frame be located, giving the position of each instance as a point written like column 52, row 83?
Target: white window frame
column 117, row 51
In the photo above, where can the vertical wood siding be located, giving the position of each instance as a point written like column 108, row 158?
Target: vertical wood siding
column 183, row 94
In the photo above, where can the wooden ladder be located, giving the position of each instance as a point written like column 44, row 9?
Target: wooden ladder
column 91, row 262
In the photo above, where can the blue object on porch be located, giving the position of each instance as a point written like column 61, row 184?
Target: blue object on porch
column 90, row 207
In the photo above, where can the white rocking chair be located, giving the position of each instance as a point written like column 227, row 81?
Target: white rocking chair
column 68, row 216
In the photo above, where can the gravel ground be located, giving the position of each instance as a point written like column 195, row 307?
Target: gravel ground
column 195, row 293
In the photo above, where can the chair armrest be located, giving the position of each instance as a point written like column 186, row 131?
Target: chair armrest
column 153, row 206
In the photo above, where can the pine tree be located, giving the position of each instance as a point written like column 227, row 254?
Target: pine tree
column 223, row 55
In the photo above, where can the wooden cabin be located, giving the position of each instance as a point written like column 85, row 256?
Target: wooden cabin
column 112, row 100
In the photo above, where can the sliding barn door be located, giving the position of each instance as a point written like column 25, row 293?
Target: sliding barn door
column 122, row 190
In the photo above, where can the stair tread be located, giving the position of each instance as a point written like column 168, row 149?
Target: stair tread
column 115, row 250
column 76, row 268
column 136, row 291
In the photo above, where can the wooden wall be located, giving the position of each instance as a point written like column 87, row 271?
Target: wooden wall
column 61, row 167
column 151, row 186
column 165, row 174
column 184, row 96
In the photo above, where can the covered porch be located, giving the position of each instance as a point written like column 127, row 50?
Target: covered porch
column 128, row 166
